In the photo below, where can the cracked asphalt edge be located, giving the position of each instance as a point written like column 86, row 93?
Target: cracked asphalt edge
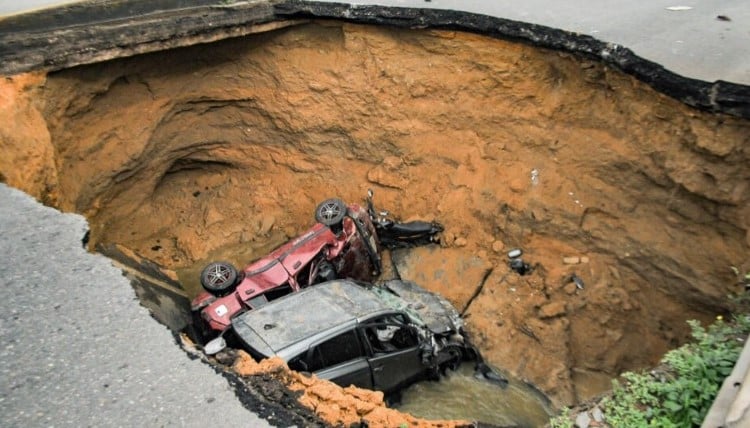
column 79, row 349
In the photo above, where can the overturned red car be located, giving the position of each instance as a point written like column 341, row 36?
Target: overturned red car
column 342, row 244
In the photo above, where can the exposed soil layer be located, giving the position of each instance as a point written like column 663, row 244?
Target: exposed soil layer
column 176, row 154
column 350, row 406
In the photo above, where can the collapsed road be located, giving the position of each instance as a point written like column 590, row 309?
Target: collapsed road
column 78, row 348
column 535, row 143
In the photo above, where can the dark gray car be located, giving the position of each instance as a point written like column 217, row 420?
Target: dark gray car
column 381, row 337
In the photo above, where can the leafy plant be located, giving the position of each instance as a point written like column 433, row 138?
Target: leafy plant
column 679, row 392
column 562, row 420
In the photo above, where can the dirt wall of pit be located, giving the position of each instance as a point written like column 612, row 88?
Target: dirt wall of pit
column 591, row 172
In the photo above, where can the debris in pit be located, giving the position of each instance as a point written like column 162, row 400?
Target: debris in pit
column 577, row 281
column 534, row 177
column 313, row 331
column 517, row 264
column 394, row 234
column 344, row 243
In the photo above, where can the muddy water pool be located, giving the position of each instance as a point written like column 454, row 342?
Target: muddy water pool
column 459, row 395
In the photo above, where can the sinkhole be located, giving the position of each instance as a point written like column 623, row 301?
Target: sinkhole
column 223, row 150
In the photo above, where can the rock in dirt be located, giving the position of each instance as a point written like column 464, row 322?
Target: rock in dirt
column 583, row 420
column 551, row 310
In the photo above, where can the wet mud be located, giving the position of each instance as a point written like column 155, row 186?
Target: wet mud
column 596, row 176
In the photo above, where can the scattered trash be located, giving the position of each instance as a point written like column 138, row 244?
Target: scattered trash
column 678, row 8
column 534, row 177
column 577, row 280
column 516, row 263
column 723, row 18
column 520, row 267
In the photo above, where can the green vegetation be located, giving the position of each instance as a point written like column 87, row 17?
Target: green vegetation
column 562, row 420
column 681, row 390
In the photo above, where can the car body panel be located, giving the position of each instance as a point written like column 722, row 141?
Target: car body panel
column 353, row 252
column 326, row 330
column 437, row 313
column 395, row 369
column 352, row 372
column 301, row 317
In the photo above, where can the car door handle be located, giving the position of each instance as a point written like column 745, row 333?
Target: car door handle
column 377, row 369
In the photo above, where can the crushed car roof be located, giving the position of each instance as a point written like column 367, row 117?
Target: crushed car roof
column 300, row 316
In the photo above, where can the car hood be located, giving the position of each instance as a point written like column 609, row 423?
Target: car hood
column 431, row 309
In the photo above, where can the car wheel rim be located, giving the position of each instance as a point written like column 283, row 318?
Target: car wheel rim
column 330, row 211
column 218, row 276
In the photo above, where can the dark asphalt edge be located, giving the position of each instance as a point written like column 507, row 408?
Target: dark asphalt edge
column 200, row 21
column 718, row 97
column 253, row 393
column 24, row 47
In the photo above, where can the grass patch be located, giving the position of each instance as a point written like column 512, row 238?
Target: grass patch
column 681, row 390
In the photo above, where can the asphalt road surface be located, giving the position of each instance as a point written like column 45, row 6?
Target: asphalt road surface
column 702, row 39
column 77, row 347
column 10, row 7
column 691, row 41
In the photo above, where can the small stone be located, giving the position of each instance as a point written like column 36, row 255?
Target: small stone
column 597, row 414
column 460, row 242
column 212, row 216
column 571, row 260
column 497, row 246
column 517, row 185
column 515, row 253
column 551, row 310
column 584, row 259
column 583, row 420
column 266, row 224
column 570, row 288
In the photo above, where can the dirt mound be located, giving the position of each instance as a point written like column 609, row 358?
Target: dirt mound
column 176, row 154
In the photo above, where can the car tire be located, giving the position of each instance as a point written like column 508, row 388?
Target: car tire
column 219, row 278
column 455, row 357
column 330, row 212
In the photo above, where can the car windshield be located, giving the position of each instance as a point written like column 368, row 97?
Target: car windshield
column 397, row 303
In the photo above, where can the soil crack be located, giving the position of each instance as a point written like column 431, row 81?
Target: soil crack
column 479, row 289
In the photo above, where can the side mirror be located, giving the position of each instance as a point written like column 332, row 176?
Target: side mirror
column 215, row 346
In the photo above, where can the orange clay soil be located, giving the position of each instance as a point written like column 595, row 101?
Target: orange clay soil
column 336, row 405
column 177, row 154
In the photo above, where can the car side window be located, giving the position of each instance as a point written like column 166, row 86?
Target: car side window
column 337, row 350
column 390, row 333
